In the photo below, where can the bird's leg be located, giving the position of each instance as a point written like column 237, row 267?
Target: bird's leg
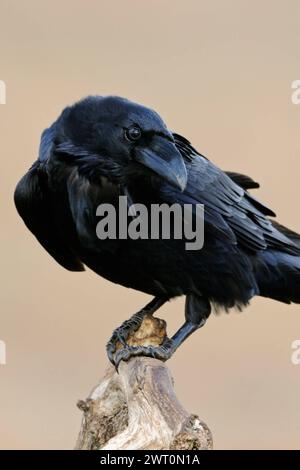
column 197, row 310
column 121, row 333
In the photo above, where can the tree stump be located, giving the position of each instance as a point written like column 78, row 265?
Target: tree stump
column 136, row 408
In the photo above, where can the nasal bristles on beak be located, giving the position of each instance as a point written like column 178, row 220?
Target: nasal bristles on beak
column 163, row 157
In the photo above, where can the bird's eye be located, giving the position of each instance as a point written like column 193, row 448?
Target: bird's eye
column 133, row 133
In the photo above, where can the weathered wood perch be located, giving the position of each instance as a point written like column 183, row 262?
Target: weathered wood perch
column 137, row 409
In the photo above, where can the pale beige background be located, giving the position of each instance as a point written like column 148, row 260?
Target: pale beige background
column 219, row 72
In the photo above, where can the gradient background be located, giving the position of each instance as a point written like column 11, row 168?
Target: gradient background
column 220, row 73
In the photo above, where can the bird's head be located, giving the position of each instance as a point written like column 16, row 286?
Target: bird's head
column 134, row 138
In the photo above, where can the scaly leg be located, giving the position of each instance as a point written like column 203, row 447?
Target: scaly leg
column 197, row 310
column 121, row 333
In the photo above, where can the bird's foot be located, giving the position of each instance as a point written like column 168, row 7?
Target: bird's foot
column 142, row 334
column 122, row 333
column 162, row 352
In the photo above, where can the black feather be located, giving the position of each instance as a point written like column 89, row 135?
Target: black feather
column 85, row 160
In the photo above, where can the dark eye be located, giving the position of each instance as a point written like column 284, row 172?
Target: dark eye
column 133, row 133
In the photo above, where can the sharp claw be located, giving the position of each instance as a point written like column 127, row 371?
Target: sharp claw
column 163, row 352
column 122, row 355
column 110, row 350
column 121, row 334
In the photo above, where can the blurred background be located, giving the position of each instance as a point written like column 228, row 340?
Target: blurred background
column 220, row 73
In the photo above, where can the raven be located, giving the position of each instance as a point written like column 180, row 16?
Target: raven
column 104, row 147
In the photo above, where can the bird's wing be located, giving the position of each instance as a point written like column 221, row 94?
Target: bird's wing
column 230, row 211
column 83, row 199
column 84, row 196
column 33, row 203
column 246, row 182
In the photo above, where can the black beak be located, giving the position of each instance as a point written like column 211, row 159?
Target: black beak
column 162, row 157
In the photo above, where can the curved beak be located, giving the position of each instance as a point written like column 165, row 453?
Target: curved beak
column 162, row 157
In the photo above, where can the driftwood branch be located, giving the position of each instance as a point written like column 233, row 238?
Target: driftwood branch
column 137, row 408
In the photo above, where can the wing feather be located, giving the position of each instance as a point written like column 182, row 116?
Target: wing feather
column 34, row 205
column 229, row 208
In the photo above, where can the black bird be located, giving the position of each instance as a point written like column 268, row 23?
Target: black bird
column 104, row 147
